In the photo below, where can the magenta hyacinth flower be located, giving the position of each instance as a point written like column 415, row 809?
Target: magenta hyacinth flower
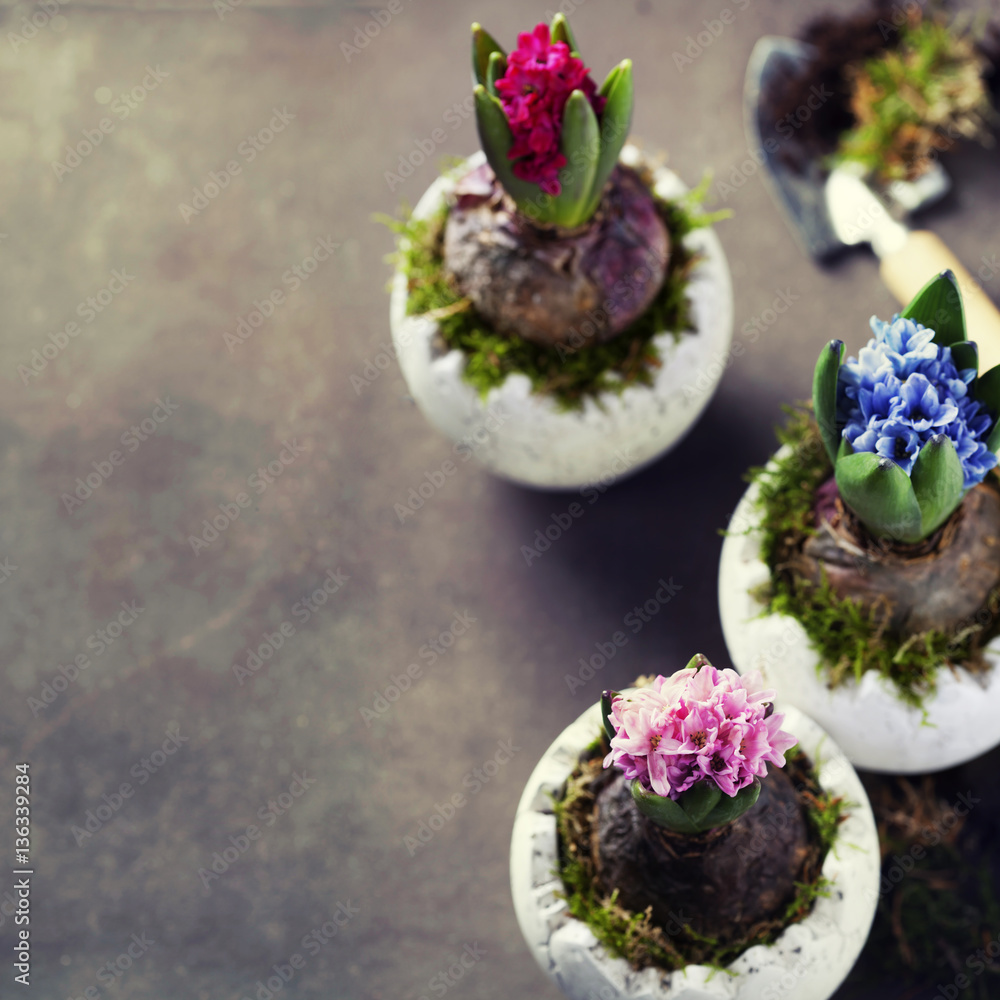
column 699, row 724
column 540, row 76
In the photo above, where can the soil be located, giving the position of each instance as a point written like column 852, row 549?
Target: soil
column 728, row 885
column 937, row 584
column 551, row 286
column 840, row 40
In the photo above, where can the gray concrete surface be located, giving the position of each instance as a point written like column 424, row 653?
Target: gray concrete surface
column 203, row 81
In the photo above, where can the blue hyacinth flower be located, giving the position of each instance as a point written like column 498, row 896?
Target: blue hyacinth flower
column 909, row 424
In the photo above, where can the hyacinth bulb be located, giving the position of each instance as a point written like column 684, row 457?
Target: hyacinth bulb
column 695, row 745
column 551, row 136
column 910, row 426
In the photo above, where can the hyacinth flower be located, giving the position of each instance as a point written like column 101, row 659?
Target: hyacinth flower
column 909, row 425
column 551, row 136
column 552, row 237
column 695, row 745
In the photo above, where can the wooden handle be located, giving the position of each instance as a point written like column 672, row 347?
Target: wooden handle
column 906, row 271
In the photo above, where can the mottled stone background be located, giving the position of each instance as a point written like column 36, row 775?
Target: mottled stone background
column 209, row 79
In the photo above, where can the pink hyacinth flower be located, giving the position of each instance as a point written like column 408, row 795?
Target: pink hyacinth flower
column 698, row 724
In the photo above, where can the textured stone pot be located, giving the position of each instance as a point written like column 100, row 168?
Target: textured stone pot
column 532, row 442
column 807, row 962
column 875, row 728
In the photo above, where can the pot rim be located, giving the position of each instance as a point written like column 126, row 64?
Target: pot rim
column 848, row 911
column 712, row 267
column 751, row 514
column 955, row 723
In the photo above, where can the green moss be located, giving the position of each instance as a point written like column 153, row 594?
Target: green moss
column 848, row 639
column 806, row 894
column 913, row 100
column 569, row 375
column 634, row 936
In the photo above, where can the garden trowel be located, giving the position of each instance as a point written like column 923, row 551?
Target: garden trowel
column 829, row 210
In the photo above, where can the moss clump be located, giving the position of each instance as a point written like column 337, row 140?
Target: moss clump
column 849, row 640
column 634, row 936
column 569, row 375
column 914, row 100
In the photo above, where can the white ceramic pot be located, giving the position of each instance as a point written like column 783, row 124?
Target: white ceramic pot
column 531, row 441
column 876, row 729
column 807, row 962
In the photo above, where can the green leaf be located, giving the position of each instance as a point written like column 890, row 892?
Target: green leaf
column 965, row 354
column 483, row 46
column 732, row 807
column 581, row 145
column 937, row 480
column 616, row 120
column 881, row 495
column 698, row 661
column 496, row 140
column 682, row 818
column 495, row 70
column 938, row 305
column 987, row 392
column 561, row 32
column 993, row 441
column 699, row 800
column 606, row 698
column 609, row 80
column 662, row 810
column 825, row 395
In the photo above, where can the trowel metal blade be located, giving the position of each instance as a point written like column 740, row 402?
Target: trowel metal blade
column 798, row 195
